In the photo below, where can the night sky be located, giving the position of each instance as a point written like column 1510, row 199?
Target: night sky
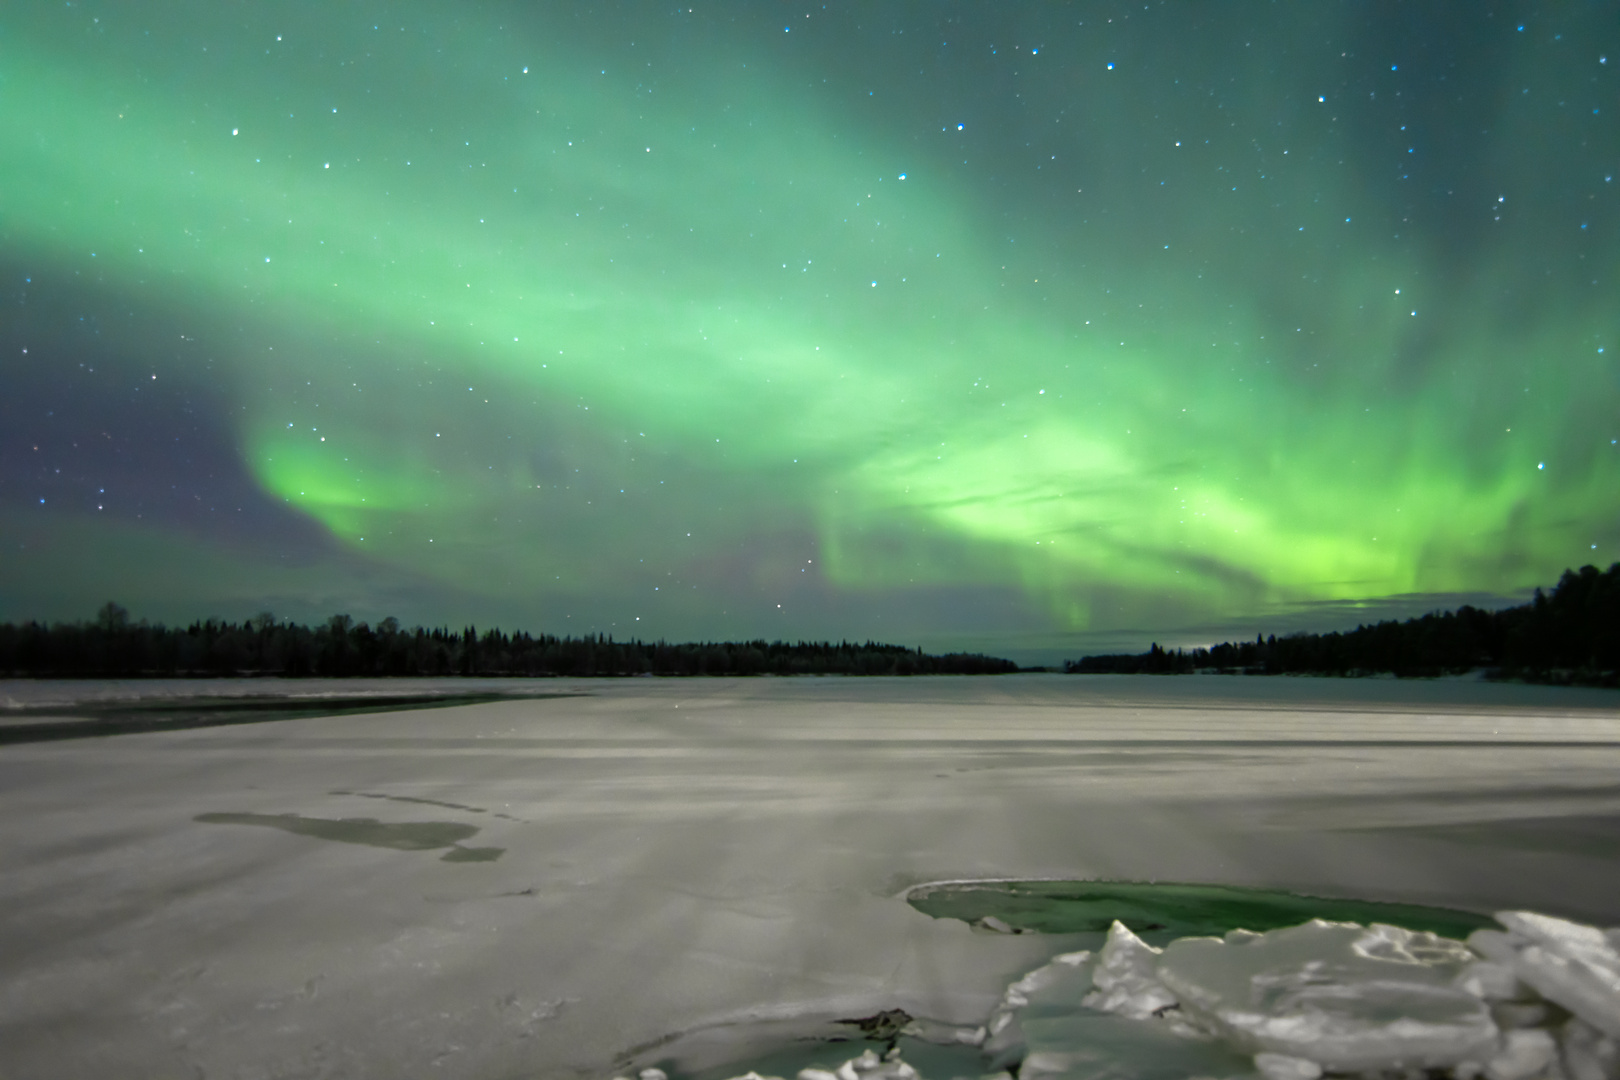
column 1027, row 327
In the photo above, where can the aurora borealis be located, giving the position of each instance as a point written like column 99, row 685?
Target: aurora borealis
column 1005, row 326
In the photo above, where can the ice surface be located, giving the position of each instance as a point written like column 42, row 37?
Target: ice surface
column 671, row 868
column 1347, row 997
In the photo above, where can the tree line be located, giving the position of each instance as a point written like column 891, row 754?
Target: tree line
column 114, row 646
column 1570, row 636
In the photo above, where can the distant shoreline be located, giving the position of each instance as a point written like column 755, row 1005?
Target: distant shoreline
column 1568, row 638
column 115, row 647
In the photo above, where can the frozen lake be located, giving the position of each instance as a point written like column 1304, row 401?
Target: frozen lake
column 550, row 884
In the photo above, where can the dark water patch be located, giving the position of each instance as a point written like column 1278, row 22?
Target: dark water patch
column 426, row 802
column 880, row 1027
column 401, row 836
column 412, row 799
column 472, row 854
column 1164, row 910
column 95, row 719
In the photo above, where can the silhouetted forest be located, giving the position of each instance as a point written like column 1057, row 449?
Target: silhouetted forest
column 114, row 646
column 1571, row 636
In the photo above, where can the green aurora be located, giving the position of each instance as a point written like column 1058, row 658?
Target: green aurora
column 1009, row 326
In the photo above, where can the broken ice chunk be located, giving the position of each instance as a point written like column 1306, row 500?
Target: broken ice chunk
column 1569, row 964
column 1125, row 977
column 1283, row 1067
column 866, row 1067
column 1049, row 974
column 1588, row 1053
column 1060, row 982
column 1554, row 932
column 1524, row 1054
column 1496, row 946
column 1001, row 1037
column 1525, row 1014
column 866, row 1062
column 1385, row 942
column 1491, row 981
column 932, row 1031
column 1345, row 997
